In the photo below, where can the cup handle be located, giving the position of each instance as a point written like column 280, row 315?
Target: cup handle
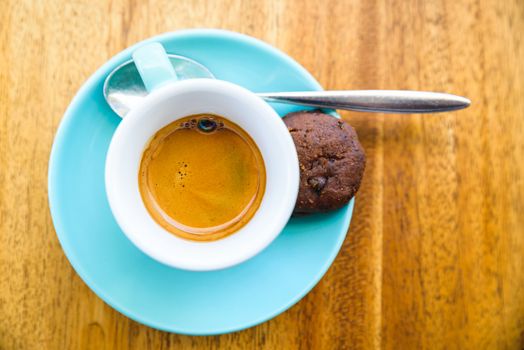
column 154, row 66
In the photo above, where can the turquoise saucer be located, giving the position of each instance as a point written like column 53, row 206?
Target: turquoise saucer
column 198, row 303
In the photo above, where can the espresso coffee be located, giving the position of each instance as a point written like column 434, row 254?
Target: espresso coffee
column 202, row 177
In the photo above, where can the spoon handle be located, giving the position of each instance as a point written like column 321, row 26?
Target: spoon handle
column 382, row 101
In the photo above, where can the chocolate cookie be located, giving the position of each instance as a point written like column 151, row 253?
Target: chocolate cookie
column 331, row 158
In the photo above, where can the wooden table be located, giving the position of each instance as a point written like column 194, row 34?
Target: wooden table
column 434, row 258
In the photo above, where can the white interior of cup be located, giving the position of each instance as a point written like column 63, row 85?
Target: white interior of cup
column 179, row 100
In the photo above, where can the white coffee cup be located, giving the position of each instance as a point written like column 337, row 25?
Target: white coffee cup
column 177, row 100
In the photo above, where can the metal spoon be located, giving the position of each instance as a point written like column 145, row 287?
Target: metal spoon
column 124, row 89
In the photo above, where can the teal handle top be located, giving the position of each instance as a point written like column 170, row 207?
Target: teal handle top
column 154, row 66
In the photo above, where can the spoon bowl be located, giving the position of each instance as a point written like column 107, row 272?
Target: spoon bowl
column 124, row 88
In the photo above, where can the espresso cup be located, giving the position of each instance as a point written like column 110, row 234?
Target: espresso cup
column 167, row 103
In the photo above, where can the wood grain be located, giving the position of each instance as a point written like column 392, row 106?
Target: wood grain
column 434, row 258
